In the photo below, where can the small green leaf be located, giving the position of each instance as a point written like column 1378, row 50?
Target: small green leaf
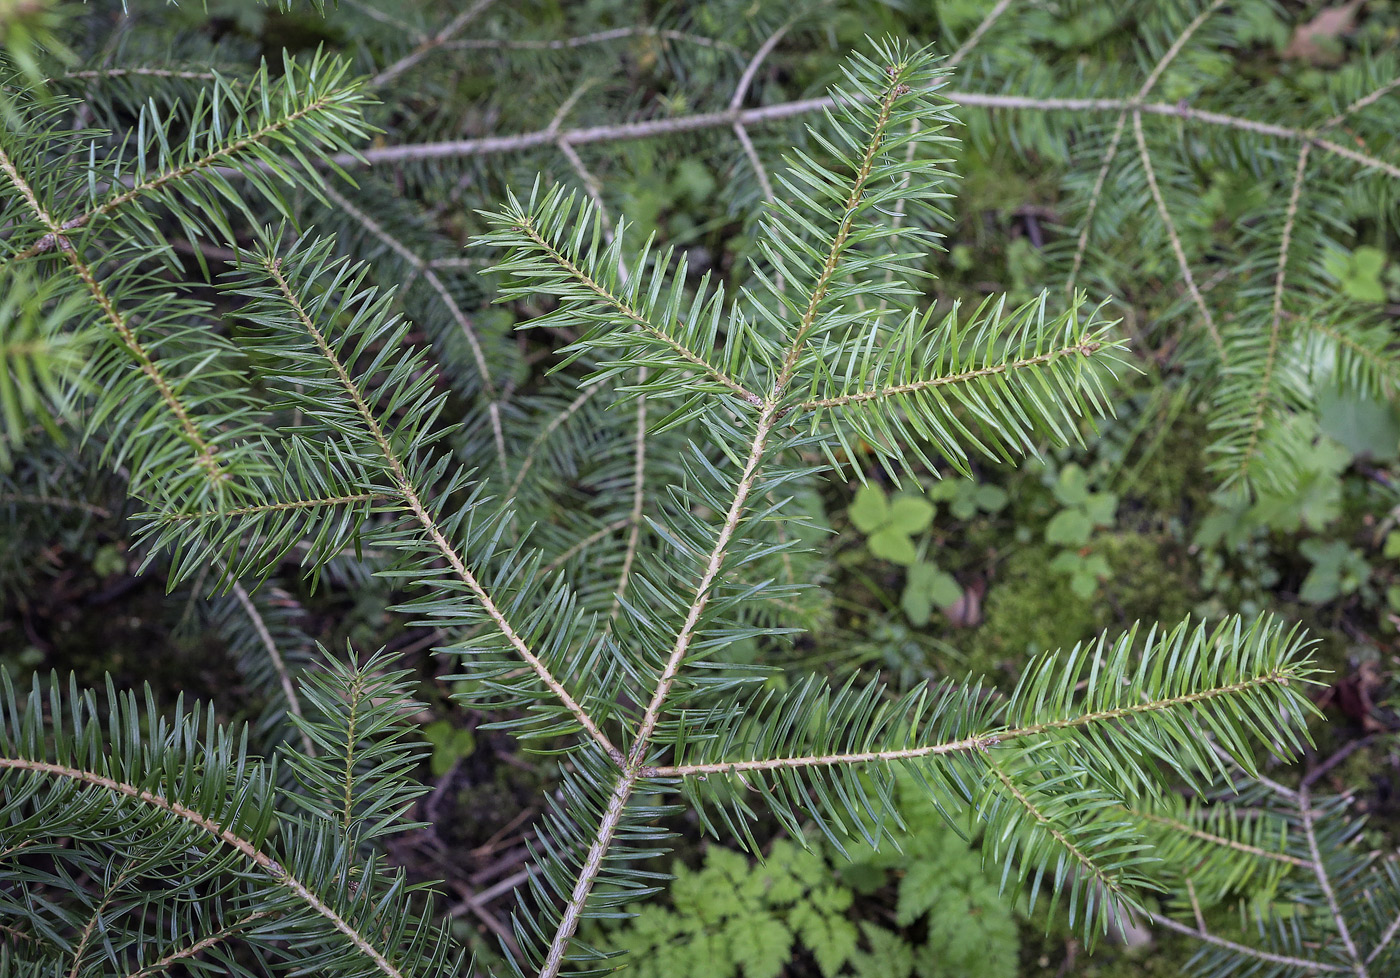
column 1083, row 585
column 918, row 891
column 823, row 930
column 870, row 510
column 911, row 514
column 1367, row 426
column 992, row 499
column 925, row 588
column 892, row 545
column 1101, row 507
column 890, row 956
column 1337, row 570
column 760, row 944
column 1072, row 487
column 1069, row 528
column 1392, row 544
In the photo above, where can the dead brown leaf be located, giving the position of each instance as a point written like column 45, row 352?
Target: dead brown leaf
column 1316, row 42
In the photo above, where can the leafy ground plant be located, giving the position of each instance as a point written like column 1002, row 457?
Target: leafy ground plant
column 590, row 576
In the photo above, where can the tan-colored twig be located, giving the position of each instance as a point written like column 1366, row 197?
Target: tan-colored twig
column 555, row 423
column 1244, row 949
column 1266, row 379
column 359, row 497
column 218, row 937
column 463, row 321
column 634, row 767
column 1086, row 349
column 977, row 743
column 975, row 38
column 1188, row 829
column 767, row 114
column 1082, row 245
column 1324, row 882
column 1368, row 99
column 39, row 499
column 434, row 43
column 274, row 654
column 584, row 544
column 583, row 40
column 1086, row 862
column 1182, row 263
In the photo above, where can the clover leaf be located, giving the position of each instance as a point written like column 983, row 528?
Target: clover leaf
column 927, row 588
column 890, row 523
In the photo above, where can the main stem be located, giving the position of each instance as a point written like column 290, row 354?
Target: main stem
column 634, row 767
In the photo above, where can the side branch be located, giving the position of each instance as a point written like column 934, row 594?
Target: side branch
column 1271, row 357
column 413, row 500
column 1186, row 828
column 979, row 742
column 205, row 452
column 360, row 497
column 1048, row 824
column 57, row 233
column 1086, row 349
column 1324, row 883
column 623, row 131
column 228, row 837
column 632, row 315
column 1244, row 949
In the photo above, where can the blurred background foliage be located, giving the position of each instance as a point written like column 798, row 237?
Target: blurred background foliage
column 929, row 578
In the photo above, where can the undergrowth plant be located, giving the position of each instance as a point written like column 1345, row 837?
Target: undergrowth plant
column 607, row 552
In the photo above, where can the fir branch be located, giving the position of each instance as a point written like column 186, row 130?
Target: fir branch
column 584, row 40
column 215, row 161
column 1086, row 348
column 1261, row 399
column 279, row 507
column 203, row 944
column 633, row 767
column 1186, row 828
column 206, row 454
column 977, row 743
column 57, row 502
column 1049, row 825
column 266, row 863
column 779, row 111
column 433, row 43
column 279, row 664
column 1182, row 263
column 422, row 267
column 1081, row 246
column 584, row 544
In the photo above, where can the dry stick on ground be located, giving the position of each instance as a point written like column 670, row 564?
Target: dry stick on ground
column 1082, row 245
column 452, row 27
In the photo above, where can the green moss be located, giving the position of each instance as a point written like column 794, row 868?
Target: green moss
column 1030, row 609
